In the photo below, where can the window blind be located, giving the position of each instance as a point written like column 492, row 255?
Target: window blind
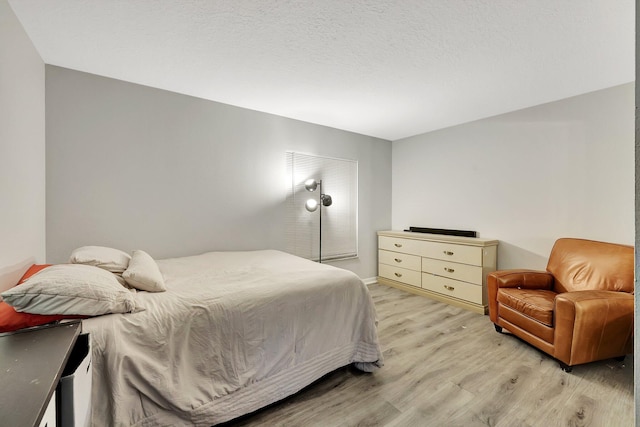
column 339, row 221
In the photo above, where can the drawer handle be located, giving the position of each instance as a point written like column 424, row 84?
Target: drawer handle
column 397, row 245
column 397, row 260
column 398, row 274
column 449, row 270
column 449, row 288
column 448, row 252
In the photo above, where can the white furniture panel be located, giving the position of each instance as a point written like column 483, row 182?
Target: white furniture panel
column 398, row 259
column 453, row 270
column 452, row 252
column 398, row 244
column 453, row 288
column 409, row 277
column 74, row 388
column 49, row 417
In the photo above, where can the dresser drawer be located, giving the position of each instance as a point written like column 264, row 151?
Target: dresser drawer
column 453, row 270
column 410, row 277
column 398, row 259
column 407, row 246
column 452, row 252
column 453, row 288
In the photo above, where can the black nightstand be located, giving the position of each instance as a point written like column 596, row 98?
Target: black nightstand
column 31, row 363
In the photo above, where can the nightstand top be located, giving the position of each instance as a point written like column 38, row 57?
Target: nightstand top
column 31, row 363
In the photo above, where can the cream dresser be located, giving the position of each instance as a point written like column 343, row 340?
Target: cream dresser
column 451, row 269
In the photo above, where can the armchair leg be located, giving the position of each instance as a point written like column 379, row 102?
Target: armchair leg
column 498, row 328
column 565, row 367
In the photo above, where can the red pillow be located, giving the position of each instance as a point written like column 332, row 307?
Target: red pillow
column 11, row 320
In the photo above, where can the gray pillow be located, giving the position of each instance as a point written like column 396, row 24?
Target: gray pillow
column 110, row 259
column 72, row 289
column 143, row 273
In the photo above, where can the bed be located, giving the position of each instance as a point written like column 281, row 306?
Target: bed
column 234, row 332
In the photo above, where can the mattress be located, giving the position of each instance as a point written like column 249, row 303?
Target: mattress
column 234, row 332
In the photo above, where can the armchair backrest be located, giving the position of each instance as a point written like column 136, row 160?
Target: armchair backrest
column 580, row 265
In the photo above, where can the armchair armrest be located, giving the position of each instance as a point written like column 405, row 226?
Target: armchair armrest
column 593, row 325
column 526, row 279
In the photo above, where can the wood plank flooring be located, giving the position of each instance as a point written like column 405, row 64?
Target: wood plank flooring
column 445, row 366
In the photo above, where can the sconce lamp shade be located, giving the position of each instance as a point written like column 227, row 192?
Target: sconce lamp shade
column 311, row 205
column 311, row 184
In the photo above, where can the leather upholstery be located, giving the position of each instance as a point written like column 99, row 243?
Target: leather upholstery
column 580, row 310
column 578, row 264
column 534, row 303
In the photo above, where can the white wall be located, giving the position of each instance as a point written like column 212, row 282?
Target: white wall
column 132, row 167
column 527, row 177
column 22, row 144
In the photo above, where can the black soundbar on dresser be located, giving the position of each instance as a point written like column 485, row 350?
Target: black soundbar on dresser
column 444, row 231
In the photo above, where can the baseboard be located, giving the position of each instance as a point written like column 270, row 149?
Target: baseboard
column 370, row 281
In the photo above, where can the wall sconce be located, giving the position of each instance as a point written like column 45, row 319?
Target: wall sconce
column 312, row 205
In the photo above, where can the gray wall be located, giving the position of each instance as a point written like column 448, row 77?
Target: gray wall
column 22, row 144
column 563, row 169
column 132, row 167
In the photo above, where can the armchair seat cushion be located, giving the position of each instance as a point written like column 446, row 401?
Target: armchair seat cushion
column 536, row 304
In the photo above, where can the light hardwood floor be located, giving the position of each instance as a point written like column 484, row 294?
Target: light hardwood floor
column 445, row 366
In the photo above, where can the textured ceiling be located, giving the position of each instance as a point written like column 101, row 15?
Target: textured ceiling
column 386, row 68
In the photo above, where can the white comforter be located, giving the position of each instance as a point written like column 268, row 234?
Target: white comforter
column 234, row 332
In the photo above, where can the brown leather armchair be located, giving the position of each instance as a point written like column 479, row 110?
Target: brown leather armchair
column 579, row 310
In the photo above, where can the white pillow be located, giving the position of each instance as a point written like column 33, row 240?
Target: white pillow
column 143, row 273
column 71, row 289
column 113, row 260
